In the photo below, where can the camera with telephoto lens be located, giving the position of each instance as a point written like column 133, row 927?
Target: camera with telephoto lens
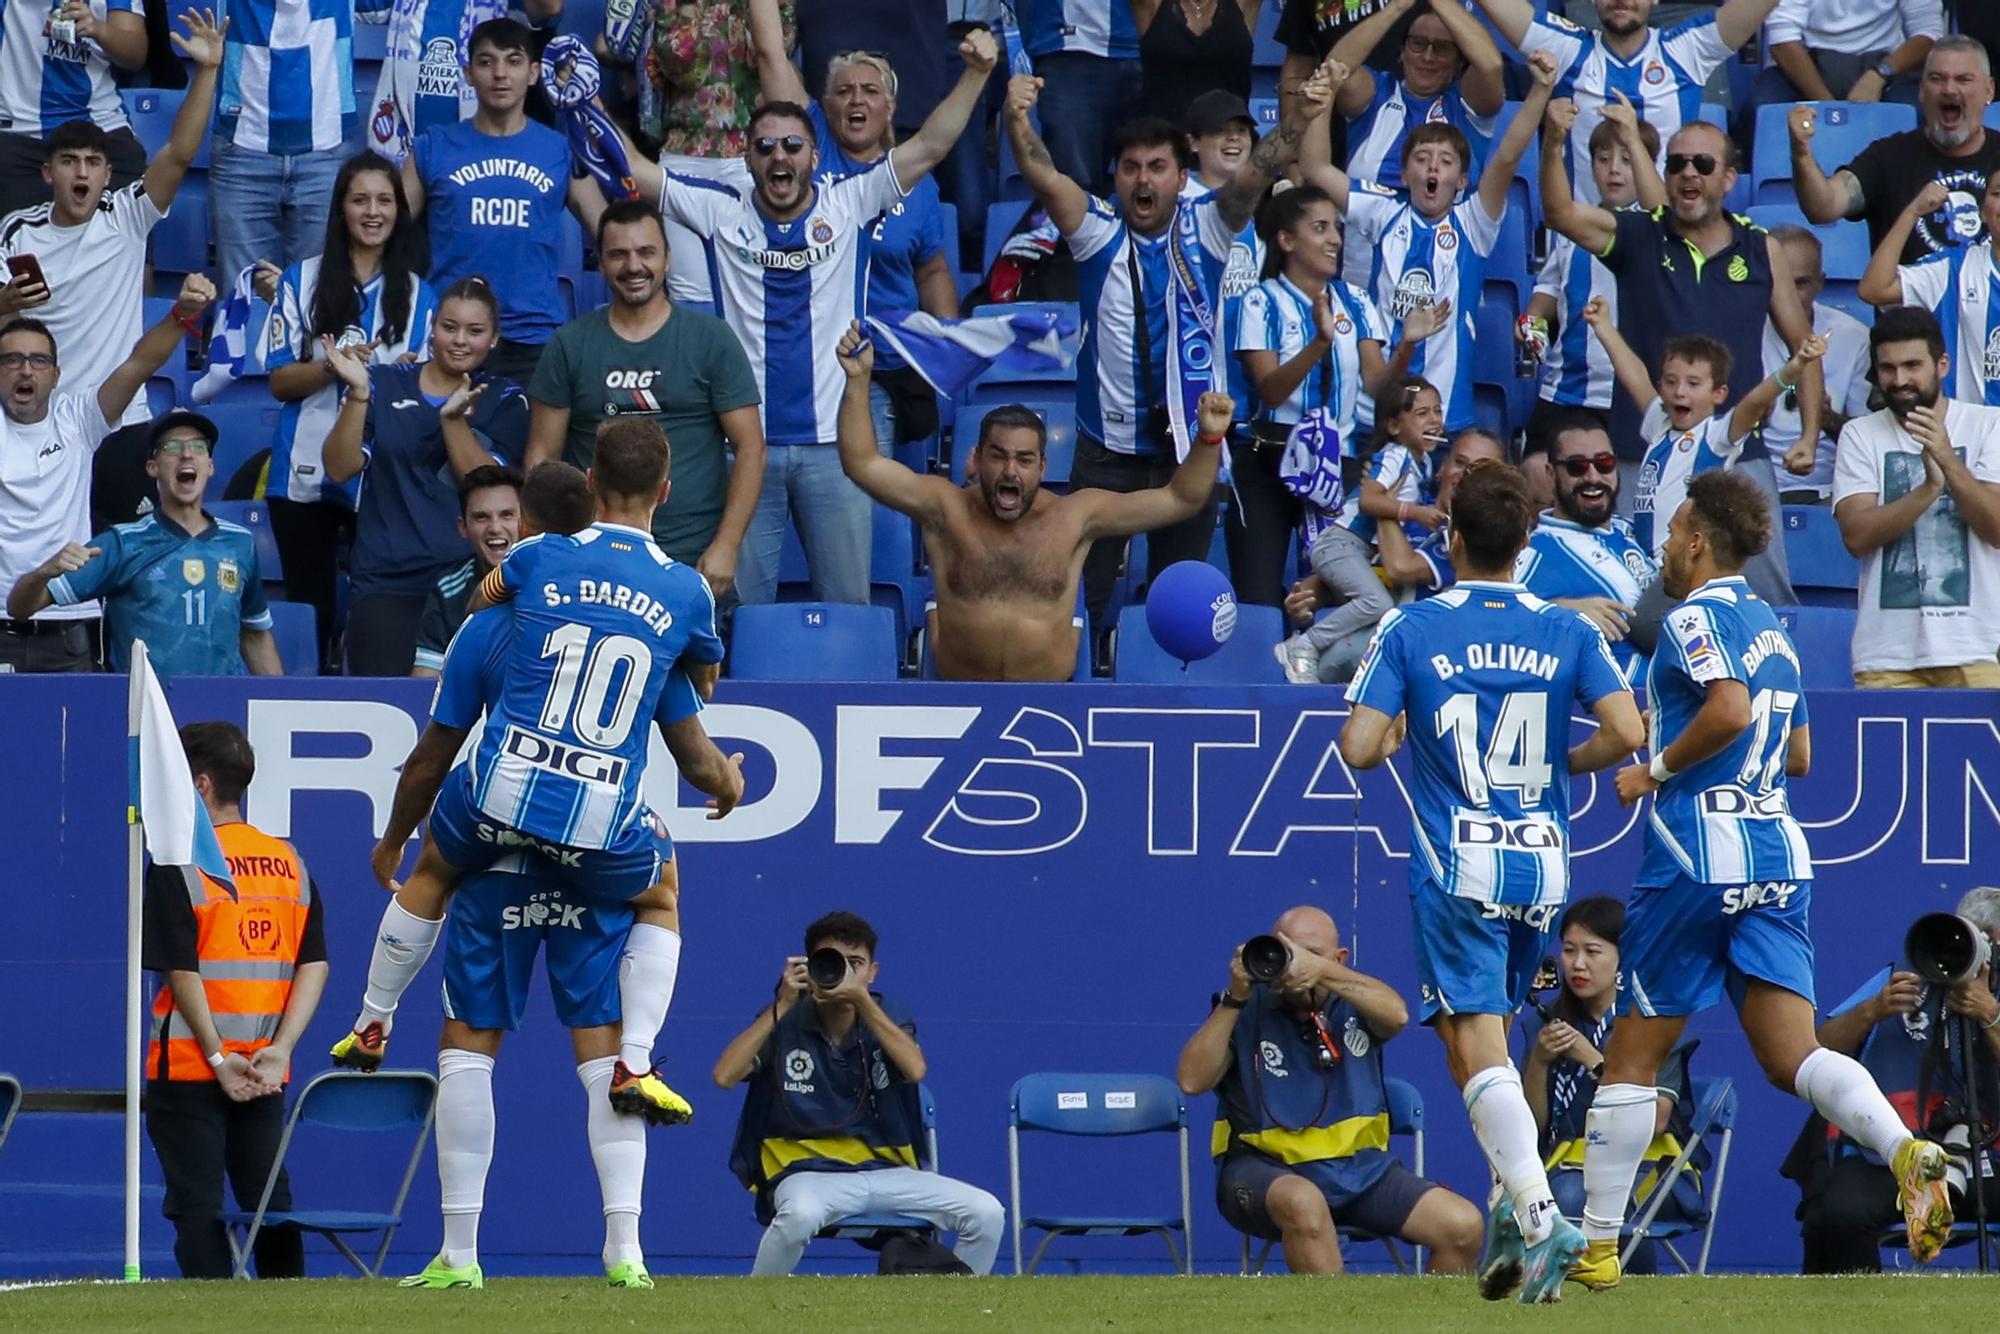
column 827, row 967
column 1265, row 958
column 1946, row 949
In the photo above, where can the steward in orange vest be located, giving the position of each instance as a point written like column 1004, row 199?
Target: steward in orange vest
column 243, row 966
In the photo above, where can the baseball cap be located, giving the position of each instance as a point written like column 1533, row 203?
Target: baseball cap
column 182, row 417
column 1216, row 108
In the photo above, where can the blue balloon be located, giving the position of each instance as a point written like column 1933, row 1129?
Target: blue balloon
column 1191, row 610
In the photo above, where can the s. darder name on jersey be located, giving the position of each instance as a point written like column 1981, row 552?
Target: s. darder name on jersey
column 604, row 593
column 1499, row 658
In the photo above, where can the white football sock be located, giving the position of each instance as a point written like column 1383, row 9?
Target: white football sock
column 1505, row 1129
column 646, row 973
column 402, row 943
column 1841, row 1090
column 618, row 1147
column 1618, row 1129
column 464, row 1148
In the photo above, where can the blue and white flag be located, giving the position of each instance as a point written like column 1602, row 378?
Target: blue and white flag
column 951, row 354
column 571, row 78
column 178, row 830
column 236, row 345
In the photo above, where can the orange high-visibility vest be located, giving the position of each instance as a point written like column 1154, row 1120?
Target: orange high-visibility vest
column 248, row 946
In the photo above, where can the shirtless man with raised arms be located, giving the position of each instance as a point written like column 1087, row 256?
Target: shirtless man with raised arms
column 1007, row 556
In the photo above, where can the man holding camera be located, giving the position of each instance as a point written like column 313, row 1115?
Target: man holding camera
column 1293, row 1050
column 832, row 1124
column 1908, row 1035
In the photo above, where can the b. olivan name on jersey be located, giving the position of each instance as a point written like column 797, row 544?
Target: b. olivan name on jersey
column 1470, row 829
column 1498, row 658
column 561, row 757
column 604, row 593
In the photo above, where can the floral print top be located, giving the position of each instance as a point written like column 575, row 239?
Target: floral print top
column 703, row 75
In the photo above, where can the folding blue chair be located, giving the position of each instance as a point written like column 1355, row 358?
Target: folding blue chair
column 1824, row 573
column 1714, row 1116
column 180, row 240
column 345, row 1101
column 246, row 420
column 10, row 1103
column 1245, row 659
column 1406, row 1117
column 1001, row 219
column 867, row 1228
column 295, row 625
column 1824, row 638
column 151, row 112
column 813, row 641
column 1843, row 245
column 1844, row 129
column 254, row 515
column 1102, row 1106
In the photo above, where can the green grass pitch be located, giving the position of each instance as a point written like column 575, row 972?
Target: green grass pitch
column 866, row 1305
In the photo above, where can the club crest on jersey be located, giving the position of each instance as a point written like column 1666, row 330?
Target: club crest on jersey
column 1355, row 1038
column 227, row 577
column 1344, row 326
column 1656, row 73
column 1739, row 270
column 822, row 231
column 1447, row 238
column 1685, row 443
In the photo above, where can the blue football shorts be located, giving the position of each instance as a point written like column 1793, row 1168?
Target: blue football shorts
column 1689, row 945
column 1474, row 957
column 499, row 920
column 472, row 841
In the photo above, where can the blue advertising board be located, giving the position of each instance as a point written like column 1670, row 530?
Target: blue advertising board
column 1058, row 874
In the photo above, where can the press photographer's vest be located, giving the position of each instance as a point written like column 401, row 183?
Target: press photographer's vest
column 1895, row 1053
column 821, row 1108
column 248, row 946
column 1287, row 1097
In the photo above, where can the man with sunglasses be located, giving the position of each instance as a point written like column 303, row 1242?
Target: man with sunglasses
column 185, row 583
column 1693, row 267
column 787, row 249
column 47, row 443
column 1662, row 71
column 1302, row 1109
column 832, row 1124
column 1582, row 555
column 1451, row 72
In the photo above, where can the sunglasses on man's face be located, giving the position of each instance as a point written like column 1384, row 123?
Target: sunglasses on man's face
column 793, row 144
column 1580, row 465
column 1703, row 163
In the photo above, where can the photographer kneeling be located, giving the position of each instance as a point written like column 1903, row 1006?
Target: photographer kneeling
column 1302, row 1140
column 832, row 1125
column 1914, row 1037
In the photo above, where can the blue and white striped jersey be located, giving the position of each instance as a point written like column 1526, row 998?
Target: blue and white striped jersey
column 287, row 82
column 1576, row 370
column 1663, row 79
column 600, row 620
column 1375, row 137
column 45, row 83
column 1399, row 472
column 1564, row 559
column 788, row 289
column 1412, row 261
column 1727, row 820
column 1278, row 317
column 1960, row 288
column 1487, row 674
column 1089, row 27
column 298, row 470
column 1111, row 385
column 1672, row 460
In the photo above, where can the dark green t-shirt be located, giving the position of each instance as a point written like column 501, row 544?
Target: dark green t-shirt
column 683, row 377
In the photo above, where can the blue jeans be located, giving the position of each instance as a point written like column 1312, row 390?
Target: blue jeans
column 1084, row 98
column 835, row 521
column 268, row 206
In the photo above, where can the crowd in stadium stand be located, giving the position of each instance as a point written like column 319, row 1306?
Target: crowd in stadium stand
column 1621, row 242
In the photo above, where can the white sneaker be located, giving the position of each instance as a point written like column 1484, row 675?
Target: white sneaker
column 1299, row 659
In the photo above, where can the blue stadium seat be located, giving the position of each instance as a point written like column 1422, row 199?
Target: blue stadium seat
column 1493, row 351
column 895, row 572
column 371, row 42
column 1524, row 196
column 813, row 641
column 1265, row 109
column 180, row 240
column 1508, row 276
column 246, row 418
column 948, row 222
column 1011, row 184
column 1001, row 219
column 1845, row 128
column 1843, row 245
column 1823, row 573
column 1266, row 51
column 1824, row 638
column 256, row 516
column 167, row 386
column 1247, row 659
column 151, row 112
column 296, row 627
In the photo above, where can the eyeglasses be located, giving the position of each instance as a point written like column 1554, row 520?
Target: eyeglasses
column 14, row 361
column 198, row 445
column 1704, row 164
column 1438, row 46
column 791, row 143
column 1579, row 465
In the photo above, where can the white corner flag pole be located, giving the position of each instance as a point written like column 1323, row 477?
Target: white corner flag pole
column 134, row 997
